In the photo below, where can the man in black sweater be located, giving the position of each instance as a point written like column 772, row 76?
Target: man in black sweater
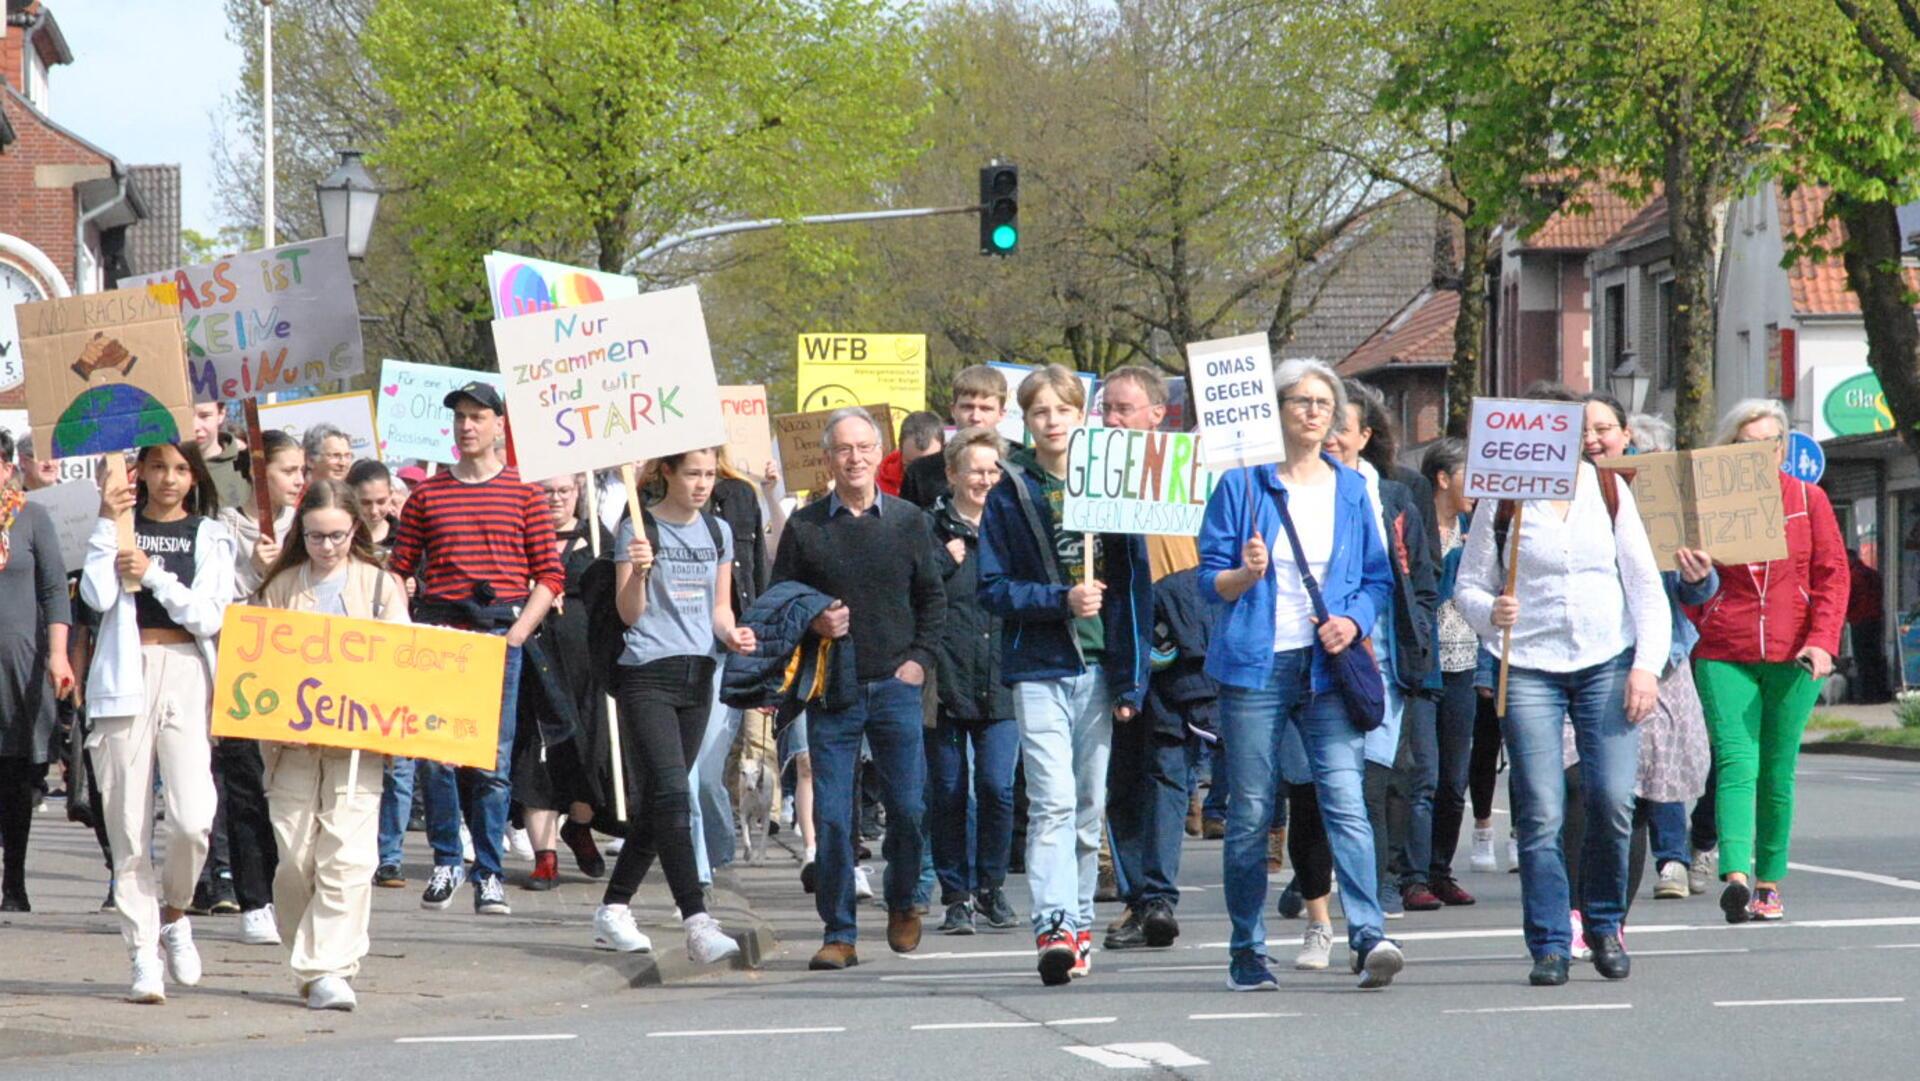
column 874, row 554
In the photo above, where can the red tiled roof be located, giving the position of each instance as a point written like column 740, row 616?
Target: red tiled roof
column 1588, row 219
column 1419, row 333
column 1819, row 285
column 1651, row 219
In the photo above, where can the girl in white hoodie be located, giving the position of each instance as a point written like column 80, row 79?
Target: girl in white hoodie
column 149, row 691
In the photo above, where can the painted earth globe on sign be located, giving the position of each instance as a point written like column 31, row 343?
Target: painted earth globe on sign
column 112, row 417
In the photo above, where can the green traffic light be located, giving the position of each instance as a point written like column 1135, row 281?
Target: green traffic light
column 1005, row 237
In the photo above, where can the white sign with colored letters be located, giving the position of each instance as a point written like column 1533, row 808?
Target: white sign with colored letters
column 1523, row 448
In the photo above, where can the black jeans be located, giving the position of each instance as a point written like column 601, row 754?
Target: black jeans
column 1483, row 766
column 1704, row 834
column 1307, row 844
column 663, row 708
column 240, row 784
column 19, row 779
column 1454, row 726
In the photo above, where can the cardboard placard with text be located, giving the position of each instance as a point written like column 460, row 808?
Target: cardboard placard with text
column 74, row 506
column 1523, row 448
column 1234, row 401
column 387, row 688
column 1125, row 481
column 749, row 437
column 411, row 417
column 803, row 461
column 352, row 413
column 858, row 369
column 609, row 384
column 105, row 372
column 1723, row 500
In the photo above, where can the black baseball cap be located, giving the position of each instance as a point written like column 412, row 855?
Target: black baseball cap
column 482, row 394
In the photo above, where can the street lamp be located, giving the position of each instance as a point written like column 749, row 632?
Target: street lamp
column 1628, row 384
column 349, row 199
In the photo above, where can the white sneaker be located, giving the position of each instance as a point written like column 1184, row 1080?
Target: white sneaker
column 613, row 929
column 1704, row 869
column 147, row 985
column 466, row 843
column 519, row 845
column 1673, row 885
column 862, row 888
column 257, row 927
column 706, row 942
column 1482, row 858
column 1513, row 854
column 183, row 959
column 331, row 993
column 1316, row 948
column 1580, row 950
column 612, row 848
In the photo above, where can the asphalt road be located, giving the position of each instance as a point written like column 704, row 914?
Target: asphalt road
column 1833, row 992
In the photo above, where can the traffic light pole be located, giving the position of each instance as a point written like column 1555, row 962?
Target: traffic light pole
column 729, row 228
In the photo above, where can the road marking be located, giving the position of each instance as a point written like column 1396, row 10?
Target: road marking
column 1028, row 974
column 1807, row 1001
column 1898, row 946
column 1863, row 876
column 964, row 955
column 1238, row 1016
column 750, row 1031
column 1136, row 1056
column 1549, row 1009
column 1170, row 968
column 488, row 1039
column 956, row 1026
column 1064, row 1022
column 1857, row 777
column 1685, row 953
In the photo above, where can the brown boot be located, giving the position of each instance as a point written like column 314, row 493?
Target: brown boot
column 1126, row 915
column 833, row 957
column 1193, row 817
column 903, row 930
column 1213, row 829
column 1276, row 849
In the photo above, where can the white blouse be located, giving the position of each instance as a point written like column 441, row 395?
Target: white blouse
column 1588, row 589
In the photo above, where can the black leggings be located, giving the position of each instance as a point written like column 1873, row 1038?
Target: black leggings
column 1307, row 843
column 1483, row 765
column 19, row 781
column 663, row 708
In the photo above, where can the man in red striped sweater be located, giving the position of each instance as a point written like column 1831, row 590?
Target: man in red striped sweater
column 487, row 546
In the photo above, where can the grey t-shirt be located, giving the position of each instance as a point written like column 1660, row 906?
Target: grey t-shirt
column 326, row 595
column 678, row 621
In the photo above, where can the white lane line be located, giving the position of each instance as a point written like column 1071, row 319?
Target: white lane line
column 1685, row 953
column 1863, row 876
column 1027, row 974
column 1066, row 1021
column 1857, row 777
column 1807, row 1001
column 1170, row 968
column 964, row 955
column 487, row 1039
column 1572, row 1008
column 748, row 1031
column 1136, row 1056
column 956, row 1026
column 1238, row 1016
column 1898, row 946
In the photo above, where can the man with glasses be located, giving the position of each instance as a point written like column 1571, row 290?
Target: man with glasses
column 482, row 534
column 874, row 554
column 329, row 452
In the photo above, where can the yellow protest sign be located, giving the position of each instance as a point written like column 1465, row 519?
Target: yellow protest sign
column 388, row 688
column 862, row 369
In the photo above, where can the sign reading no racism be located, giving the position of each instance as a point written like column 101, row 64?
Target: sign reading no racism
column 1125, row 481
column 1523, row 449
column 608, row 384
column 1234, row 401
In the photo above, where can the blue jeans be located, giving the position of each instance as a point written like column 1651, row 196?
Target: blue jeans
column 1419, row 776
column 1215, row 805
column 396, row 807
column 1538, row 703
column 711, row 811
column 1147, row 812
column 1066, row 735
column 965, row 868
column 1453, row 743
column 1666, row 830
column 491, row 791
column 1251, row 723
column 887, row 714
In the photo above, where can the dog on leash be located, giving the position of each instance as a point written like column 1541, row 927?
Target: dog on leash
column 755, row 787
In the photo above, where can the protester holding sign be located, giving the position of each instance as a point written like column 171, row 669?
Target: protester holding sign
column 326, row 815
column 1271, row 653
column 1589, row 642
column 1767, row 642
column 1075, row 658
column 255, row 549
column 34, row 674
column 148, row 693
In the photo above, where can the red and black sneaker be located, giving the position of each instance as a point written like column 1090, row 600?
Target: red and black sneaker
column 546, row 870
column 1418, row 898
column 1059, row 952
column 579, row 838
column 1450, row 893
column 1083, row 944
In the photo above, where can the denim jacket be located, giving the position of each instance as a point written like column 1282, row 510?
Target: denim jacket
column 1681, row 592
column 1358, row 585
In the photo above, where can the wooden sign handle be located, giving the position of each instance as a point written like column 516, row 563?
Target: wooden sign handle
column 257, row 468
column 1506, row 636
column 113, row 477
column 628, row 480
column 1086, row 559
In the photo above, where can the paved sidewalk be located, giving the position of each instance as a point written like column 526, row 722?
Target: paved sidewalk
column 64, row 968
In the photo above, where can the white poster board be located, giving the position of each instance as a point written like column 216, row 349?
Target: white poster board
column 521, row 285
column 74, row 506
column 412, row 421
column 1120, row 480
column 1523, row 449
column 352, row 413
column 1236, row 407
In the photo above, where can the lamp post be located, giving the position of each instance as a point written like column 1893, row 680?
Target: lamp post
column 1628, row 384
column 349, row 200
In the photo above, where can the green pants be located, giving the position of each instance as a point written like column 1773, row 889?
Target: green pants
column 1755, row 714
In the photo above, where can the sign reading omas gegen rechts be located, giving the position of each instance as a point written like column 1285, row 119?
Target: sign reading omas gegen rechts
column 1234, row 401
column 1523, row 448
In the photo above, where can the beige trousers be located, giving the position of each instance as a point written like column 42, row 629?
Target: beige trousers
column 329, row 844
column 170, row 734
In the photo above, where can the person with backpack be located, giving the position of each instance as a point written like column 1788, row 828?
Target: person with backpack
column 1589, row 643
column 674, row 586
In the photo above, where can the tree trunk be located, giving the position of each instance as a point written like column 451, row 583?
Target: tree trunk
column 1690, row 230
column 1469, row 330
column 1872, row 258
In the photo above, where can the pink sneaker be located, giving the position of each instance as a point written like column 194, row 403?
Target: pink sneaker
column 1766, row 904
column 1579, row 951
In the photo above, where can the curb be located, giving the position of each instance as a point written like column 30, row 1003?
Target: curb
column 1862, row 750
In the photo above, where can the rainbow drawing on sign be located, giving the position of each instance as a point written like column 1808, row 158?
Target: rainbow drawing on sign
column 524, row 290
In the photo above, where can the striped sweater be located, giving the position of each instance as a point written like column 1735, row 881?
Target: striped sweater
column 494, row 531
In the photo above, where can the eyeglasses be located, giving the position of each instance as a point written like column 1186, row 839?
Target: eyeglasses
column 1120, row 409
column 1600, row 430
column 561, row 495
column 848, row 450
column 1304, row 404
column 992, row 472
column 326, row 540
column 338, row 456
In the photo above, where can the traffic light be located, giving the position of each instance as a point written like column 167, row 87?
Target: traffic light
column 999, row 209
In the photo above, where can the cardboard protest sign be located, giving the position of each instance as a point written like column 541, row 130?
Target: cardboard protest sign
column 1234, row 401
column 352, row 413
column 388, row 688
column 1125, row 481
column 270, row 320
column 411, row 421
column 749, row 438
column 1523, row 449
column 803, row 461
column 861, row 369
column 1723, row 500
column 522, row 285
column 74, row 506
column 105, row 371
column 609, row 383
column 13, row 371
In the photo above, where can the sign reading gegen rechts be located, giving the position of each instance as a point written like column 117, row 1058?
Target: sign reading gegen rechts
column 1234, row 401
column 1523, row 448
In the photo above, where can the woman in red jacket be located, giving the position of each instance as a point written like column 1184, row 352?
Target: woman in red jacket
column 1767, row 641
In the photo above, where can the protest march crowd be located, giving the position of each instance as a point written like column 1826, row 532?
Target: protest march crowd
column 1328, row 676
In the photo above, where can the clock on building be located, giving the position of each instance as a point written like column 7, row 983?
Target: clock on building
column 17, row 286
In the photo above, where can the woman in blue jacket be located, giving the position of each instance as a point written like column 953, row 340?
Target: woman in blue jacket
column 1269, row 654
